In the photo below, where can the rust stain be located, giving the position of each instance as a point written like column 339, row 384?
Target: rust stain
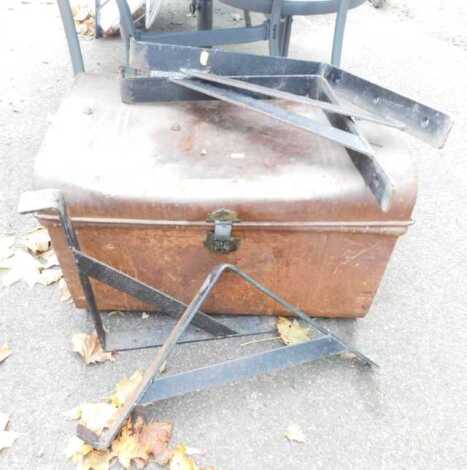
column 300, row 266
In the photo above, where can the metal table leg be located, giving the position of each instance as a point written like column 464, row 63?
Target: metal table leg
column 71, row 36
column 205, row 14
column 338, row 42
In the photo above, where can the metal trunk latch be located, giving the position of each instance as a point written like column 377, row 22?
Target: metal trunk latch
column 220, row 240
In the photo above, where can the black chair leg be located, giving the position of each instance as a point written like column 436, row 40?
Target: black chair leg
column 285, row 35
column 205, row 15
column 275, row 28
column 247, row 17
column 339, row 30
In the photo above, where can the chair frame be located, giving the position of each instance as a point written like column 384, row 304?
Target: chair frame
column 276, row 29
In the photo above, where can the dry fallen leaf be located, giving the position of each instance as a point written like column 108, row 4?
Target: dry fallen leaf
column 34, row 263
column 89, row 348
column 86, row 457
column 7, row 438
column 37, row 241
column 48, row 259
column 137, row 443
column 294, row 433
column 94, row 416
column 155, row 437
column 96, row 460
column 181, row 461
column 124, row 388
column 291, row 332
column 21, row 266
column 84, row 18
column 50, row 276
column 5, row 352
column 127, row 447
column 77, row 449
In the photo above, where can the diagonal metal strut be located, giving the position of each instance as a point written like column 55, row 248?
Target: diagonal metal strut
column 223, row 93
column 327, row 344
column 286, row 95
column 123, row 282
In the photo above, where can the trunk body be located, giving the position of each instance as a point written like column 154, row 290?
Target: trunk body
column 142, row 181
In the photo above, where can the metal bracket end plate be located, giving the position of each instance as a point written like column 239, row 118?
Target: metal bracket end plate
column 39, row 200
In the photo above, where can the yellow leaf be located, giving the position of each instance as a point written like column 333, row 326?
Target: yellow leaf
column 94, row 416
column 181, row 461
column 89, row 348
column 77, row 449
column 127, row 447
column 291, row 332
column 125, row 387
column 294, row 433
column 5, row 352
column 37, row 241
column 96, row 460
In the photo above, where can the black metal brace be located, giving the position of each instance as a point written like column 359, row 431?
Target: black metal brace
column 88, row 267
column 152, row 388
column 163, row 72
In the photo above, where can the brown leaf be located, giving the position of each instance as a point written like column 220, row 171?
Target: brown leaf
column 124, row 388
column 291, row 332
column 89, row 348
column 37, row 241
column 5, row 352
column 181, row 461
column 136, row 443
column 294, row 433
column 155, row 437
column 7, row 438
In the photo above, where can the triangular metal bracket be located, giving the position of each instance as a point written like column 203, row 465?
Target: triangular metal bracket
column 153, row 388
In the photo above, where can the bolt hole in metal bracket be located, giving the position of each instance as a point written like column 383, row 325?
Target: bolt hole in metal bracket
column 154, row 388
column 165, row 72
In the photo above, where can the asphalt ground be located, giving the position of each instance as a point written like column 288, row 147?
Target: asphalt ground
column 409, row 414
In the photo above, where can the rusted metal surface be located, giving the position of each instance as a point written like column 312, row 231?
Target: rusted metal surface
column 145, row 178
column 325, row 273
